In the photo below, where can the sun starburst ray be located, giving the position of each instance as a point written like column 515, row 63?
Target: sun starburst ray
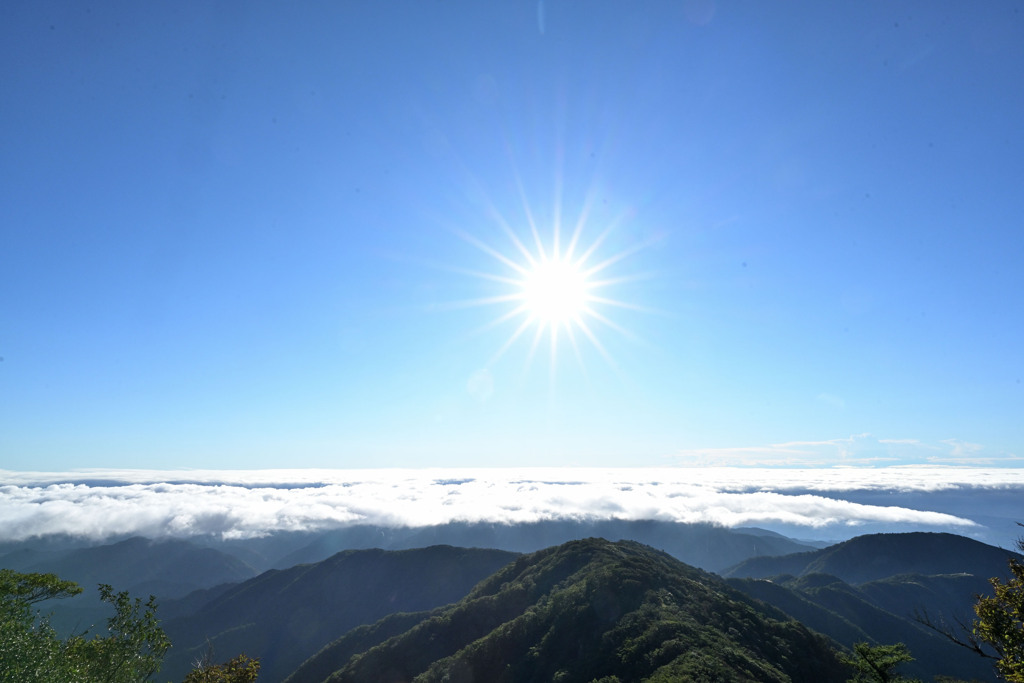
column 511, row 340
column 615, row 258
column 580, row 222
column 500, row 320
column 482, row 301
column 554, row 346
column 529, row 217
column 575, row 346
column 487, row 249
column 620, row 280
column 609, row 229
column 531, row 260
column 556, row 220
column 493, row 277
column 596, row 342
column 611, row 323
column 560, row 283
column 621, row 304
column 535, row 343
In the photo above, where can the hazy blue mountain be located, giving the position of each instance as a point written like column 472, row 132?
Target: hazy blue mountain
column 709, row 547
column 878, row 556
column 284, row 616
column 50, row 543
column 584, row 611
column 166, row 568
column 755, row 531
column 701, row 545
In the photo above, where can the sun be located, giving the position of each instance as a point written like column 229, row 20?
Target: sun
column 558, row 290
column 555, row 292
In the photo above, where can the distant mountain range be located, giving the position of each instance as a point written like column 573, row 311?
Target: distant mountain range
column 702, row 545
column 167, row 568
column 706, row 546
column 454, row 607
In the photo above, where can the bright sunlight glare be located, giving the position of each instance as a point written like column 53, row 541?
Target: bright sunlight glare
column 553, row 288
column 555, row 291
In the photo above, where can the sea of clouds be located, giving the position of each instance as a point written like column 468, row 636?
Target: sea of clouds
column 822, row 503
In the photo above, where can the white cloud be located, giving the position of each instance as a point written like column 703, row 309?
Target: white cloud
column 962, row 449
column 104, row 503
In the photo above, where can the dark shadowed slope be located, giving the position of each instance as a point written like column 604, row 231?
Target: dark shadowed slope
column 883, row 612
column 582, row 611
column 284, row 616
column 875, row 587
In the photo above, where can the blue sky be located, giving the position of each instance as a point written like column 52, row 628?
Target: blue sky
column 247, row 235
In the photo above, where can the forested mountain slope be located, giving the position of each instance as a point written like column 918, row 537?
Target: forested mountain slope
column 284, row 616
column 583, row 611
column 877, row 587
column 883, row 612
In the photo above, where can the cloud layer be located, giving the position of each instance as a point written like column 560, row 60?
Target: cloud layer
column 101, row 504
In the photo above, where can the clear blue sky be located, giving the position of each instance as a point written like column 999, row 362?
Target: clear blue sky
column 245, row 234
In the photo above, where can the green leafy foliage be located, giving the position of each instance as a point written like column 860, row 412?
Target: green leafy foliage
column 29, row 648
column 31, row 651
column 877, row 663
column 25, row 590
column 241, row 669
column 1000, row 623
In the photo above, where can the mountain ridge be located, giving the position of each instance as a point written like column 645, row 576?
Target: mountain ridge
column 916, row 552
column 584, row 610
column 283, row 616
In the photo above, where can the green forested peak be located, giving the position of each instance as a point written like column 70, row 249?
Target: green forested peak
column 590, row 609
